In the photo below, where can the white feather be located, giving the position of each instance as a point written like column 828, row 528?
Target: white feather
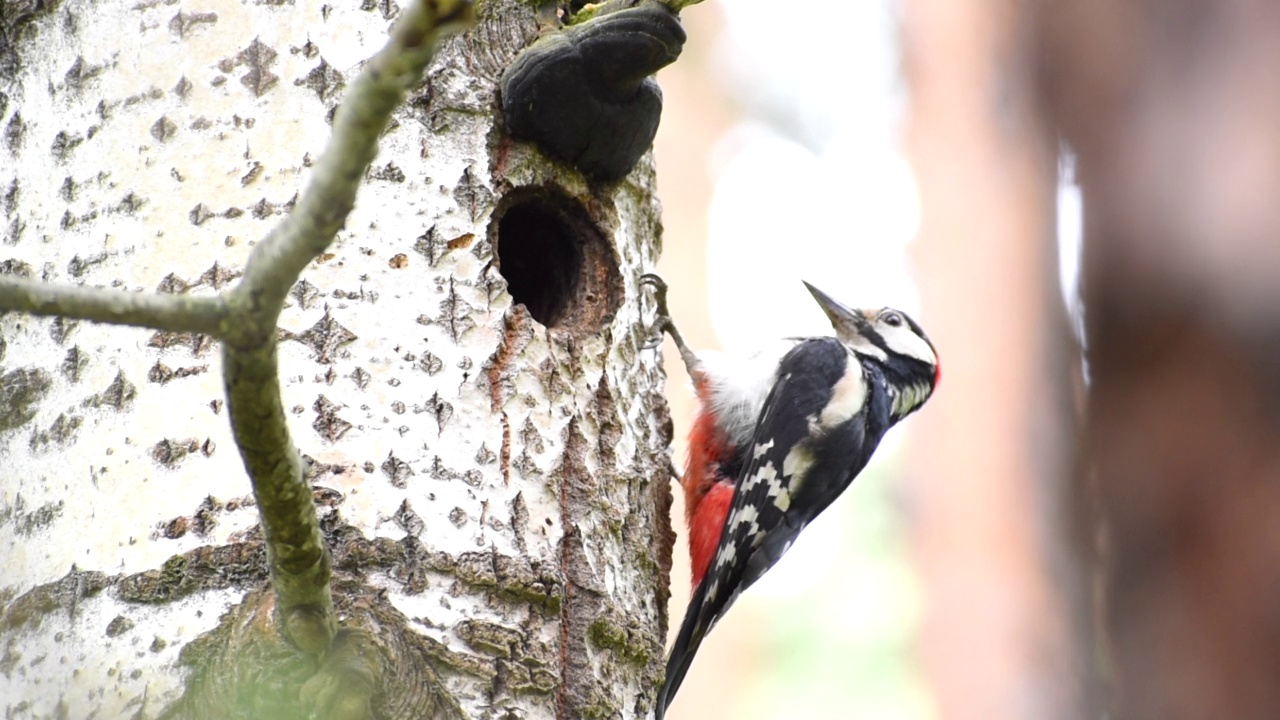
column 739, row 385
column 904, row 341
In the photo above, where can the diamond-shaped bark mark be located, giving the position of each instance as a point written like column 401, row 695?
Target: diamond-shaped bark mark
column 199, row 214
column 531, row 438
column 308, row 50
column 171, row 284
column 388, row 8
column 471, row 477
column 164, row 129
column 553, row 380
column 324, row 338
column 129, row 204
column 185, row 22
column 360, row 377
column 217, row 277
column 327, row 423
column 305, row 293
column 82, row 72
column 69, row 190
column 388, row 173
column 198, row 343
column 61, row 328
column 520, row 520
column 430, row 363
column 471, row 194
column 61, row 432
column 455, row 313
column 440, row 410
column 324, row 80
column 13, row 266
column 408, row 520
column 20, row 391
column 117, row 395
column 431, row 246
column 74, row 363
column 78, row 266
column 253, row 173
column 63, row 144
column 169, row 452
column 10, row 199
column 13, row 234
column 397, row 470
column 162, row 374
column 264, row 209
column 14, row 132
column 257, row 58
column 458, row 517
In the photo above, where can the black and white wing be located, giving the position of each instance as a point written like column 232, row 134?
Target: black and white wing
column 810, row 441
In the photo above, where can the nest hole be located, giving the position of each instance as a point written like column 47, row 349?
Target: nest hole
column 556, row 260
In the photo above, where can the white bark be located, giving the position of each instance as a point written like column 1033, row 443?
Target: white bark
column 148, row 145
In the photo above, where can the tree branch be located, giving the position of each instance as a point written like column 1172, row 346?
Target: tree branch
column 177, row 313
column 299, row 560
column 245, row 318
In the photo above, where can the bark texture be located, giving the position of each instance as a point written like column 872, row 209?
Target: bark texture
column 491, row 469
column 1006, row 625
column 1173, row 113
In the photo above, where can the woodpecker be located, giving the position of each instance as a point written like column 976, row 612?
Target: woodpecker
column 778, row 437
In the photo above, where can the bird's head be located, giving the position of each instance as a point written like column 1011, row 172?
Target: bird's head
column 891, row 339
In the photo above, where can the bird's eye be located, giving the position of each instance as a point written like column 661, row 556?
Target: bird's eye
column 892, row 319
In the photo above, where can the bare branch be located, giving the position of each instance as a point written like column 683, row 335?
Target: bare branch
column 300, row 563
column 177, row 313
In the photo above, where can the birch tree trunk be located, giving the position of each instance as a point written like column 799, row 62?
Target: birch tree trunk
column 465, row 372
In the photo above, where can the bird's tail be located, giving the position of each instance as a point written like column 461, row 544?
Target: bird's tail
column 686, row 646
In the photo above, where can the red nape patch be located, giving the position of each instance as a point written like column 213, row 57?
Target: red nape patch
column 705, row 525
column 937, row 374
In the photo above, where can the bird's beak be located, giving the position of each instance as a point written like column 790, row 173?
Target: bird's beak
column 846, row 321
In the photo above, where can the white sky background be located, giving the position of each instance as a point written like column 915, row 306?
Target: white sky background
column 813, row 185
column 815, row 169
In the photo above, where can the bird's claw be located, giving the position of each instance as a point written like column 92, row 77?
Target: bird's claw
column 661, row 317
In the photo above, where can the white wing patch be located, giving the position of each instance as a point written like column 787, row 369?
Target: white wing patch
column 847, row 397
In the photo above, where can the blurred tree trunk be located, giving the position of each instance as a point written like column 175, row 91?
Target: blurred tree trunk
column 492, row 475
column 1173, row 110
column 989, row 508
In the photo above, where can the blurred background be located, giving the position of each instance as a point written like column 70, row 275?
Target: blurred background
column 1069, row 528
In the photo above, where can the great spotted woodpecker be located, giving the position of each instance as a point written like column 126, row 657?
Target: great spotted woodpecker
column 778, row 437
